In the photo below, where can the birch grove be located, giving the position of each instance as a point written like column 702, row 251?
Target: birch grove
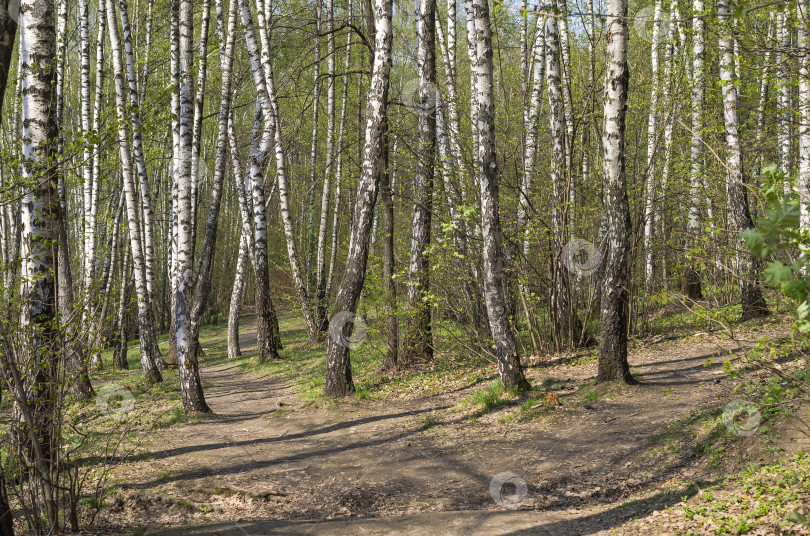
column 540, row 178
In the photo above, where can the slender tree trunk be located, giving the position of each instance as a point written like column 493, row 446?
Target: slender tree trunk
column 418, row 338
column 753, row 303
column 234, row 350
column 692, row 285
column 313, row 158
column 119, row 358
column 87, row 164
column 615, row 300
column 389, row 263
column 190, row 385
column 321, row 305
column 338, row 363
column 509, row 366
column 532, row 131
column 804, row 113
column 140, row 158
column 150, row 355
column 6, row 517
column 783, row 101
column 652, row 146
column 199, row 102
column 339, row 165
column 268, row 343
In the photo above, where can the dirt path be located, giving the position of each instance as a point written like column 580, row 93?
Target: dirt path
column 269, row 464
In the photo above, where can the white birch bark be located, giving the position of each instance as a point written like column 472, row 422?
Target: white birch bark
column 692, row 284
column 532, row 131
column 753, row 303
column 338, row 365
column 339, row 164
column 652, row 144
column 87, row 153
column 313, row 158
column 804, row 113
column 614, row 316
column 321, row 305
column 509, row 365
column 783, row 101
column 190, row 385
column 150, row 355
column 138, row 152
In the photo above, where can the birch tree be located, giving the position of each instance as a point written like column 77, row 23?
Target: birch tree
column 614, row 317
column 338, row 363
column 150, row 354
column 418, row 338
column 753, row 303
column 804, row 113
column 692, row 284
column 509, row 365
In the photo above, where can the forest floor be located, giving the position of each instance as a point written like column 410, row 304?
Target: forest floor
column 595, row 459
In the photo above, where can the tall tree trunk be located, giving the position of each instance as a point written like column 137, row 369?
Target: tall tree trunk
column 339, row 164
column 389, row 262
column 321, row 305
column 783, row 101
column 140, row 158
column 119, row 358
column 267, row 340
column 804, row 113
column 150, row 355
column 338, row 363
column 418, row 338
column 199, row 102
column 40, row 227
column 753, row 303
column 190, row 385
column 652, row 146
column 313, row 158
column 509, row 366
column 565, row 324
column 691, row 284
column 615, row 300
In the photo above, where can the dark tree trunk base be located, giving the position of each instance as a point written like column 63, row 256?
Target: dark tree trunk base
column 691, row 285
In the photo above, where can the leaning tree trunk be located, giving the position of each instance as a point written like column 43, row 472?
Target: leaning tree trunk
column 509, row 366
column 691, row 284
column 267, row 341
column 418, row 337
column 615, row 302
column 150, row 355
column 238, row 291
column 753, row 303
column 338, row 363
